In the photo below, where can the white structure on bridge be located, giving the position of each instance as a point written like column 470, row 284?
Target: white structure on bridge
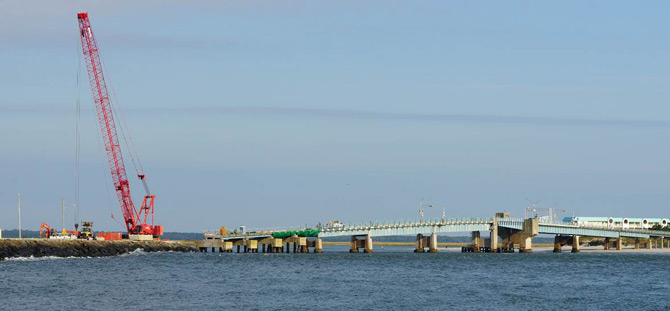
column 613, row 222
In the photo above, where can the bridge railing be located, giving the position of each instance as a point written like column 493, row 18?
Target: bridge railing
column 405, row 223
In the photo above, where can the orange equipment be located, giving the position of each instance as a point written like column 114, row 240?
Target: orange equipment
column 45, row 233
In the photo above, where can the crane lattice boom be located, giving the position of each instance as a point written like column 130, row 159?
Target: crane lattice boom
column 136, row 221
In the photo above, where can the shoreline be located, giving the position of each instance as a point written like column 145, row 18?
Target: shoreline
column 11, row 248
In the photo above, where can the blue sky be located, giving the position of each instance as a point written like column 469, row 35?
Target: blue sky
column 288, row 113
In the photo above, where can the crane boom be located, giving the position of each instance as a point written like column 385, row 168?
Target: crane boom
column 135, row 223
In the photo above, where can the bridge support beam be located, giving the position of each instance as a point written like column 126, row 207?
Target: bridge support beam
column 318, row 246
column 365, row 244
column 558, row 247
column 560, row 241
column 606, row 244
column 476, row 241
column 494, row 236
column 637, row 243
column 649, row 243
column 575, row 244
column 354, row 246
column 522, row 237
column 526, row 245
column 662, row 243
column 619, row 244
column 432, row 243
column 420, row 243
column 368, row 244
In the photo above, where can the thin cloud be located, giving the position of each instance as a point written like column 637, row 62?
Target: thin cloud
column 445, row 118
column 348, row 114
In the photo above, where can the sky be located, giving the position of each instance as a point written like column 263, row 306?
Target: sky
column 288, row 113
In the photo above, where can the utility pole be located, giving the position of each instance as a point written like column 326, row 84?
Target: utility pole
column 62, row 206
column 19, row 215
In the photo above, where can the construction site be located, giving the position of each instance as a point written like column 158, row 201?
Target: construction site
column 140, row 230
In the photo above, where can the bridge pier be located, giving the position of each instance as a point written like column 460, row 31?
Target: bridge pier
column 606, row 244
column 476, row 241
column 494, row 236
column 365, row 244
column 368, row 244
column 253, row 246
column 662, row 243
column 649, row 243
column 559, row 241
column 524, row 237
column 637, row 243
column 354, row 246
column 575, row 244
column 619, row 244
column 226, row 247
column 318, row 246
column 526, row 245
column 420, row 243
column 432, row 243
column 562, row 240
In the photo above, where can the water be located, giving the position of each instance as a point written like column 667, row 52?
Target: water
column 393, row 278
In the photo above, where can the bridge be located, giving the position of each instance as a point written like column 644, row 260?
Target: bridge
column 505, row 235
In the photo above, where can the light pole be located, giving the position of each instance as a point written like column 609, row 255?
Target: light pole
column 20, row 215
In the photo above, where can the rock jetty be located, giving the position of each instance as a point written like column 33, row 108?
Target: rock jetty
column 82, row 248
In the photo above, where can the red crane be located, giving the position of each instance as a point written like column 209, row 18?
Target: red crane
column 136, row 220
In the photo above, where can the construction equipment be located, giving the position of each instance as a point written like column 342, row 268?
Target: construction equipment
column 45, row 231
column 86, row 231
column 136, row 220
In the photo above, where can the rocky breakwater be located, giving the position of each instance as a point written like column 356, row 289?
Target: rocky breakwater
column 82, row 248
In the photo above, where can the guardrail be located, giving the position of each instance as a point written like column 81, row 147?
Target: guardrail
column 405, row 224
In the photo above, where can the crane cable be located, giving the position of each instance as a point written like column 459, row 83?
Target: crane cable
column 125, row 131
column 77, row 140
column 78, row 151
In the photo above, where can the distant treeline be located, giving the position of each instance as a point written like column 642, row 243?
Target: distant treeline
column 14, row 233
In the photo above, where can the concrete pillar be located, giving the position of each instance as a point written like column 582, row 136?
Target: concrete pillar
column 494, row 236
column 238, row 248
column 476, row 241
column 619, row 244
column 557, row 244
column 606, row 245
column 419, row 243
column 637, row 243
column 354, row 245
column 649, row 243
column 318, row 246
column 368, row 244
column 662, row 242
column 526, row 245
column 575, row 244
column 432, row 244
